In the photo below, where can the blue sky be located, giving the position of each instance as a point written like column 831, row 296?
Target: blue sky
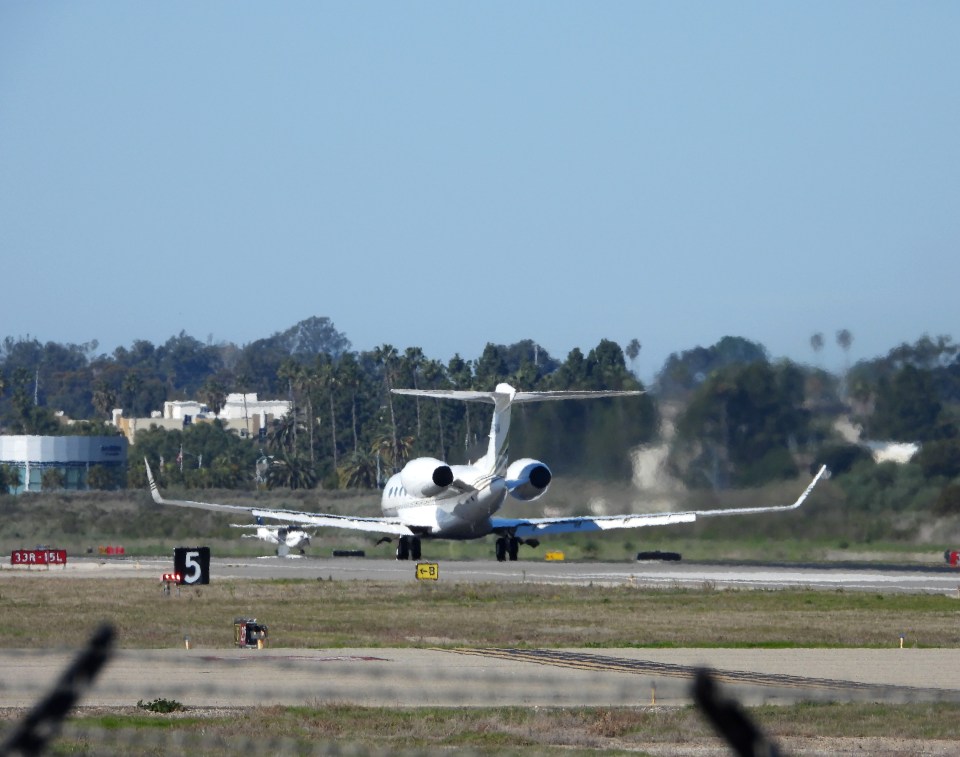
column 447, row 174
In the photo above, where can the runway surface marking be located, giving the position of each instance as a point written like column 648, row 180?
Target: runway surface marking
column 586, row 661
column 295, row 658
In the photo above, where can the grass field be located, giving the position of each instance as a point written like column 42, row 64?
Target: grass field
column 324, row 613
column 330, row 728
column 46, row 612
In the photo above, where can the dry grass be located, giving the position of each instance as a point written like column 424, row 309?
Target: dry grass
column 323, row 614
column 35, row 609
column 334, row 728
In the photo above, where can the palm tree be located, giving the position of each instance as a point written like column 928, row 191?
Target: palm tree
column 305, row 382
column 241, row 381
column 386, row 355
column 633, row 352
column 291, row 371
column 104, row 398
column 291, row 471
column 434, row 375
column 394, row 452
column 21, row 397
column 52, row 479
column 11, row 478
column 348, row 374
column 131, row 386
column 228, row 469
column 214, row 395
column 816, row 342
column 460, row 372
column 283, row 435
column 100, row 477
column 359, row 471
column 414, row 359
column 525, row 376
column 326, row 377
column 845, row 340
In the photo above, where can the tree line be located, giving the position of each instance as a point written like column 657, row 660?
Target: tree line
column 731, row 416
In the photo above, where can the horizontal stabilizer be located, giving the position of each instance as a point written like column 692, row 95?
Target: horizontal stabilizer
column 514, row 396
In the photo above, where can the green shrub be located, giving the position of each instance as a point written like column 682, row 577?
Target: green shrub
column 160, row 705
column 948, row 503
column 840, row 458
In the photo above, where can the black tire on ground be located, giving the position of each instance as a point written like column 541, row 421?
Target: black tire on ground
column 658, row 555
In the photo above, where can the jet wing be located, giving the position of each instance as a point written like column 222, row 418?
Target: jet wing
column 532, row 527
column 376, row 525
column 529, row 527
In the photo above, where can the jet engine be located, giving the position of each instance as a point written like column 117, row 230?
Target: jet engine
column 425, row 477
column 528, row 479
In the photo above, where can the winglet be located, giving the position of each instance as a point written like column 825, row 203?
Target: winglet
column 154, row 490
column 822, row 473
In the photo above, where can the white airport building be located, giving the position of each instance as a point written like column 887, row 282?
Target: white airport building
column 243, row 413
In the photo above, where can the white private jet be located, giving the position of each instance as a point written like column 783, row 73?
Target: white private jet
column 430, row 499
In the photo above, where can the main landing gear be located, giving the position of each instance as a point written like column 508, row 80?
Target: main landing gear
column 507, row 547
column 408, row 548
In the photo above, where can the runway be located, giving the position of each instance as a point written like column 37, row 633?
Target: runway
column 938, row 579
column 390, row 677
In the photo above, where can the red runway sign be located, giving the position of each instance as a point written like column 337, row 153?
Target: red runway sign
column 38, row 557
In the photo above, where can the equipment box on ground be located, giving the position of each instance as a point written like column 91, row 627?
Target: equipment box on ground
column 248, row 633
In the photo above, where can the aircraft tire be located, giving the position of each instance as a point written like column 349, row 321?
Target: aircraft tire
column 658, row 555
column 513, row 548
column 403, row 548
column 501, row 549
column 414, row 548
